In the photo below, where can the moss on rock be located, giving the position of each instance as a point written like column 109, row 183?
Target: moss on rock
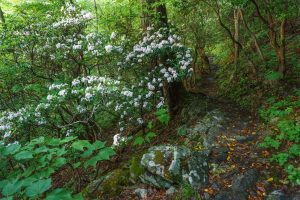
column 110, row 185
column 135, row 168
column 159, row 157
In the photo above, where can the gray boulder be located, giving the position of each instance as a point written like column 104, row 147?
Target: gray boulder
column 277, row 195
column 141, row 193
column 245, row 181
column 208, row 129
column 231, row 195
column 240, row 185
column 169, row 165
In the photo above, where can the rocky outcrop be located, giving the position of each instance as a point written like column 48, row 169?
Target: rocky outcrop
column 280, row 195
column 168, row 165
column 111, row 184
column 207, row 129
column 240, row 184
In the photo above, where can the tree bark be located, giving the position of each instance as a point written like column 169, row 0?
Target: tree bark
column 147, row 15
column 96, row 13
column 280, row 48
column 253, row 36
column 203, row 57
column 154, row 13
column 282, row 55
column 236, row 36
column 2, row 18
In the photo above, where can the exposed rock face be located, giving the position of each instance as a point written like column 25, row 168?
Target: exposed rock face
column 242, row 182
column 240, row 185
column 277, row 195
column 141, row 193
column 207, row 129
column 195, row 107
column 110, row 184
column 168, row 165
column 231, row 195
column 280, row 195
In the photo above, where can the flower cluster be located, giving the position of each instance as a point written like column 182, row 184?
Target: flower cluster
column 87, row 96
column 77, row 105
column 73, row 16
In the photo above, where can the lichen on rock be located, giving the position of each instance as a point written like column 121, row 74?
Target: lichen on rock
column 168, row 165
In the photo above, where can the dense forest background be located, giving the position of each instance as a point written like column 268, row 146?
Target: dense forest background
column 118, row 99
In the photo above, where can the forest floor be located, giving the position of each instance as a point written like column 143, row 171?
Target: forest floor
column 238, row 153
column 241, row 138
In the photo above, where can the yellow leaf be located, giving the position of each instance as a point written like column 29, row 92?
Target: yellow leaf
column 270, row 179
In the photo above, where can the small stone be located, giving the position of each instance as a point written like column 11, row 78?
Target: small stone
column 141, row 193
column 243, row 182
column 206, row 195
column 171, row 191
column 231, row 195
column 276, row 195
column 295, row 196
column 243, row 139
column 218, row 154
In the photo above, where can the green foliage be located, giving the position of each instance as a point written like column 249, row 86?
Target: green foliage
column 285, row 140
column 140, row 140
column 62, row 194
column 27, row 169
column 92, row 152
column 163, row 116
column 273, row 75
column 182, row 131
column 187, row 192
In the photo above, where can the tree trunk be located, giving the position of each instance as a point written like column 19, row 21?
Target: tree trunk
column 147, row 16
column 282, row 54
column 203, row 57
column 154, row 13
column 236, row 36
column 279, row 48
column 2, row 18
column 253, row 36
column 96, row 13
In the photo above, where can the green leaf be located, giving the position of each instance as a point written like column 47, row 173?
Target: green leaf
column 106, row 153
column 163, row 116
column 149, row 136
column 78, row 197
column 92, row 161
column 7, row 198
column 23, row 155
column 139, row 141
column 59, row 193
column 28, row 181
column 87, row 153
column 59, row 162
column 61, row 152
column 54, row 142
column 67, row 139
column 81, row 144
column 181, row 131
column 11, row 149
column 12, row 187
column 42, row 149
column 38, row 140
column 98, row 145
column 150, row 125
column 3, row 183
column 272, row 76
column 76, row 165
column 38, row 187
column 46, row 172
